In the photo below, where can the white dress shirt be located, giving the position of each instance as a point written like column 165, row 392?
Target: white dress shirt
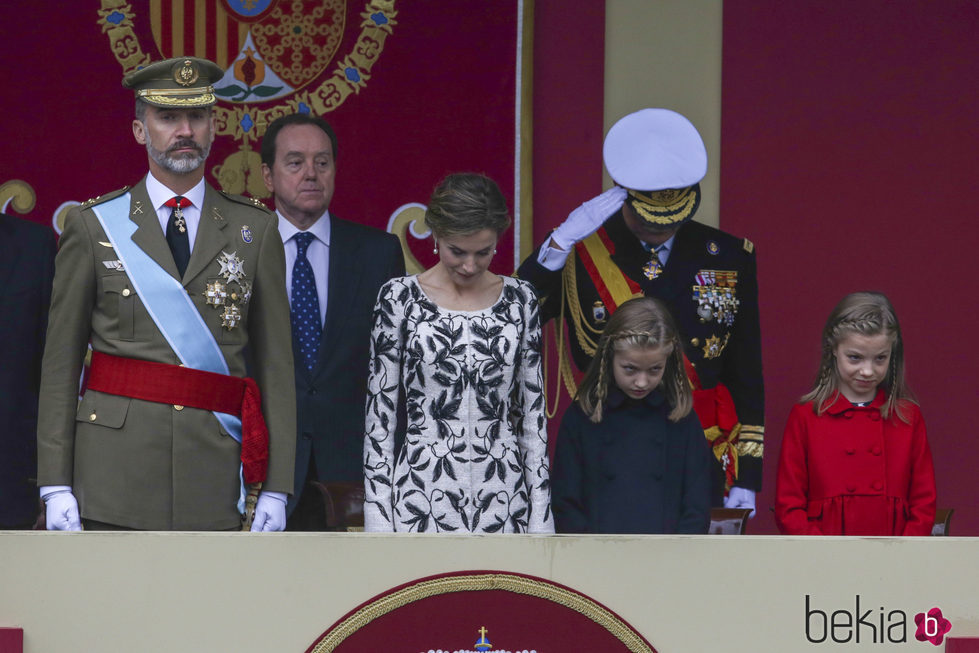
column 192, row 214
column 318, row 255
column 662, row 251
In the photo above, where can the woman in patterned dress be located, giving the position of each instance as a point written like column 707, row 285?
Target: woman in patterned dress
column 464, row 346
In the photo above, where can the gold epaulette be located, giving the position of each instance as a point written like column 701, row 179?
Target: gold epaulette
column 98, row 199
column 248, row 201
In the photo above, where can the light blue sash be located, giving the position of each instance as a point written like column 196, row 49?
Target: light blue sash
column 168, row 304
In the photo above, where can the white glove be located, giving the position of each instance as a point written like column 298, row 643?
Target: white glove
column 270, row 512
column 587, row 218
column 739, row 497
column 61, row 508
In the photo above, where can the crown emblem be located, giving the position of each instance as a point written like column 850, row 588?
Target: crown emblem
column 186, row 74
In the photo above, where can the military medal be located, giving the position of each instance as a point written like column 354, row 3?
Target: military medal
column 232, row 267
column 714, row 292
column 246, row 291
column 714, row 346
column 232, row 292
column 230, row 317
column 180, row 223
column 215, row 293
column 653, row 268
column 246, row 234
column 598, row 312
column 177, row 204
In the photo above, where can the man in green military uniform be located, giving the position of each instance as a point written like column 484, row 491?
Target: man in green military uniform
column 171, row 281
column 638, row 238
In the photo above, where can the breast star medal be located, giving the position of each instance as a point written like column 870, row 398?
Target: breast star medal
column 715, row 346
column 232, row 292
column 215, row 293
column 232, row 267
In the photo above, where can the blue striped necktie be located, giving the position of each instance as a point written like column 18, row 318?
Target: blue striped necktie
column 305, row 313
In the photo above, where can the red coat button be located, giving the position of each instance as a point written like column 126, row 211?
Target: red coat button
column 875, row 451
column 851, row 488
column 878, row 485
column 850, row 451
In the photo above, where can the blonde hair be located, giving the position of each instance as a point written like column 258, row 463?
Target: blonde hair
column 640, row 322
column 868, row 314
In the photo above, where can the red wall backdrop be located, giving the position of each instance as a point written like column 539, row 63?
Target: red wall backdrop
column 849, row 141
column 439, row 98
column 569, row 104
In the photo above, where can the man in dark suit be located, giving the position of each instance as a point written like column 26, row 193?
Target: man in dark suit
column 174, row 284
column 639, row 238
column 334, row 269
column 26, row 271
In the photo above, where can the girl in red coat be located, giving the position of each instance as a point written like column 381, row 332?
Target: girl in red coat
column 855, row 457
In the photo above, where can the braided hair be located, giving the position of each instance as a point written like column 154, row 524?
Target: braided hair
column 867, row 314
column 639, row 322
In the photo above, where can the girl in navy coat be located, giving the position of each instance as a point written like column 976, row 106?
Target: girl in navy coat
column 631, row 455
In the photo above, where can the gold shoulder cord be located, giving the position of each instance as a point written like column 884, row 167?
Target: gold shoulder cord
column 569, row 297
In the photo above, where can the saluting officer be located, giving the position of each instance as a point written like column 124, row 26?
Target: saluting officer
column 170, row 281
column 639, row 238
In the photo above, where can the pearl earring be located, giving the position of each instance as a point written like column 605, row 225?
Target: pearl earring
column 436, row 250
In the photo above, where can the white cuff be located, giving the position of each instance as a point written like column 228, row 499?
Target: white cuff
column 553, row 258
column 281, row 496
column 48, row 490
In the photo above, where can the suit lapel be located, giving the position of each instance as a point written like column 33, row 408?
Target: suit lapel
column 342, row 287
column 149, row 235
column 210, row 237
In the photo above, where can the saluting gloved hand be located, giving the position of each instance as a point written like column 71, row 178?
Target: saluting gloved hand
column 61, row 508
column 270, row 512
column 587, row 218
column 739, row 497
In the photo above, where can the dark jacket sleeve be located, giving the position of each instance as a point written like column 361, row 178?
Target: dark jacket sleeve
column 742, row 374
column 568, row 475
column 547, row 284
column 695, row 508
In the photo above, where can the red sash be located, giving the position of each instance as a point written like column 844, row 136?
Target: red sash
column 184, row 386
column 715, row 408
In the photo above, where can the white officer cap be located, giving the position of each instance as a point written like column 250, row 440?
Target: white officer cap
column 654, row 149
column 659, row 158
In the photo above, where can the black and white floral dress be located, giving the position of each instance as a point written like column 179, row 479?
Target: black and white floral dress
column 475, row 452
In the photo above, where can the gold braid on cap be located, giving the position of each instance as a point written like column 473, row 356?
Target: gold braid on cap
column 197, row 90
column 180, row 97
column 666, row 207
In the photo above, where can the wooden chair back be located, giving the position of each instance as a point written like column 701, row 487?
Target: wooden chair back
column 728, row 521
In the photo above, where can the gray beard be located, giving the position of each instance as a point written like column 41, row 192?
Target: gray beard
column 180, row 165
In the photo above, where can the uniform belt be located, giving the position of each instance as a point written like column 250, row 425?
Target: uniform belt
column 184, row 386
